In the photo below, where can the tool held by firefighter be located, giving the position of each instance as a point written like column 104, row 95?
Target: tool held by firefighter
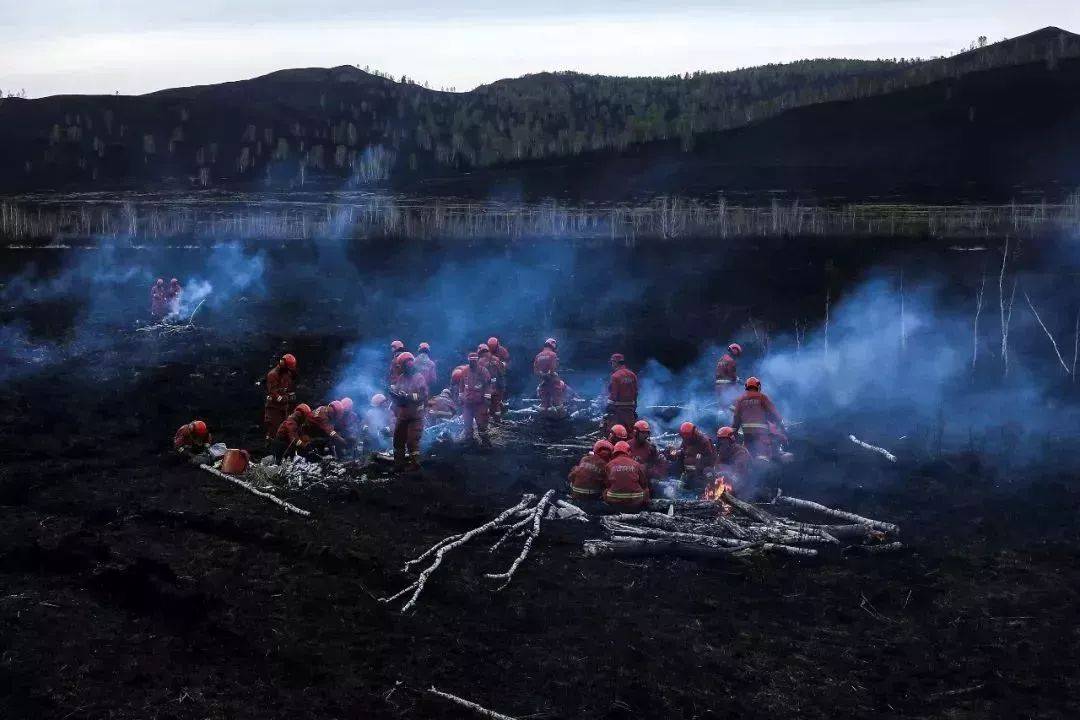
column 626, row 486
column 622, row 394
column 409, row 396
column 754, row 412
column 280, row 393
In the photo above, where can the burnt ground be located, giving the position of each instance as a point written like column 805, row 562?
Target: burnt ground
column 134, row 587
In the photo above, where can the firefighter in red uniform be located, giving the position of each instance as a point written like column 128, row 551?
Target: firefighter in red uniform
column 173, row 295
column 732, row 459
column 626, row 486
column 622, row 394
column 498, row 397
column 546, row 369
column 696, row 456
column 753, row 413
column 425, row 365
column 288, row 435
column 456, row 378
column 397, row 349
column 193, row 439
column 495, row 367
column 159, row 306
column 618, row 434
column 320, row 432
column 476, row 400
column 349, row 425
column 727, row 379
column 280, row 394
column 589, row 476
column 375, row 426
column 643, row 450
column 409, row 395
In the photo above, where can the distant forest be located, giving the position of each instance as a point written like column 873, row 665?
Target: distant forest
column 296, row 127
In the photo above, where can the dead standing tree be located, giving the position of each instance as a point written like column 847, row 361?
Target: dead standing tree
column 1006, row 308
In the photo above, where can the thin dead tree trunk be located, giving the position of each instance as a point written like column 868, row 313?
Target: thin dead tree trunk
column 828, row 298
column 1006, row 310
column 978, row 311
column 1048, row 334
column 903, row 316
column 1076, row 344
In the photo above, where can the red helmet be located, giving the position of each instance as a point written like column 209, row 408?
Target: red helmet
column 602, row 447
column 336, row 409
column 347, row 404
column 726, row 433
column 735, row 349
column 289, row 360
column 174, row 281
column 687, row 429
column 199, row 428
column 493, row 343
column 304, row 409
column 457, row 375
column 550, row 342
column 622, row 448
column 619, row 431
column 618, row 358
column 406, row 359
column 424, row 348
column 642, row 426
column 752, row 383
column 377, row 399
column 397, row 346
column 481, row 349
column 159, row 281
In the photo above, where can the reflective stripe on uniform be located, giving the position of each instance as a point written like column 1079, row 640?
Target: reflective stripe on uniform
column 724, row 382
column 755, row 426
column 612, row 403
column 584, row 491
column 625, row 495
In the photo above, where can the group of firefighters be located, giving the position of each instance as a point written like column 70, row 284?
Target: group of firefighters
column 618, row 471
column 165, row 299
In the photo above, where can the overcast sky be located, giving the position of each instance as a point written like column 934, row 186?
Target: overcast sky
column 135, row 46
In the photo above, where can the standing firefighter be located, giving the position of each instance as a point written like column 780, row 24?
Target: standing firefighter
column 695, row 457
column 727, row 379
column 425, row 365
column 280, row 393
column 397, row 349
column 490, row 360
column 174, row 294
column 622, row 394
column 498, row 397
column 546, row 369
column 409, row 395
column 626, row 486
column 349, row 425
column 159, row 305
column 476, row 400
column 754, row 411
column 589, row 476
column 456, row 378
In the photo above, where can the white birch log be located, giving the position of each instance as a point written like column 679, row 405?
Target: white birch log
column 842, row 514
column 478, row 709
column 538, row 517
column 647, row 546
column 251, row 489
column 873, row 448
column 618, row 529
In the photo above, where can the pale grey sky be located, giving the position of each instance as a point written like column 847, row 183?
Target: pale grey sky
column 136, row 46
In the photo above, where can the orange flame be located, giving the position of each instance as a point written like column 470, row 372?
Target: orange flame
column 716, row 488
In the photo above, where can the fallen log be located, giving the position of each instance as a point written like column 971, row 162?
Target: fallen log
column 537, row 518
column 747, row 509
column 251, row 489
column 617, row 529
column 842, row 514
column 873, row 448
column 480, row 710
column 644, row 546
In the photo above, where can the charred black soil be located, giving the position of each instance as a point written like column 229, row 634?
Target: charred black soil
column 136, row 587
